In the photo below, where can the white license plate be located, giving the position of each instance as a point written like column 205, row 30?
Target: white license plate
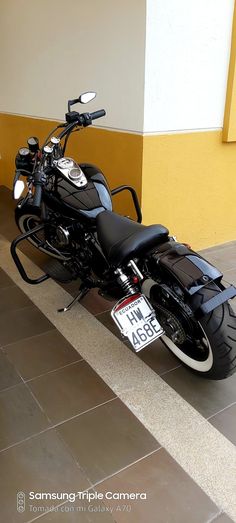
column 136, row 320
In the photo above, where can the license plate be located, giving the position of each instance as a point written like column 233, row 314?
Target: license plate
column 136, row 320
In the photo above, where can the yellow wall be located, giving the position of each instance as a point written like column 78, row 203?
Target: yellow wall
column 189, row 185
column 118, row 154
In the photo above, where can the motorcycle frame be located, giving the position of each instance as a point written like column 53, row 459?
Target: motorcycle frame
column 16, row 258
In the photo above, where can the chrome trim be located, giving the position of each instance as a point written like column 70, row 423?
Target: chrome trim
column 135, row 269
column 67, row 167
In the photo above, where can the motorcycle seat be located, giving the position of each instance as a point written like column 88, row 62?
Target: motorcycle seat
column 122, row 238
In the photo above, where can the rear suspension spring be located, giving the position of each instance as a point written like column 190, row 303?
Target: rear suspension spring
column 126, row 282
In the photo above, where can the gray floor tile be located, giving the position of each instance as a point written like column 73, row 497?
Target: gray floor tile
column 206, row 396
column 70, row 391
column 12, row 298
column 7, row 215
column 5, row 281
column 21, row 416
column 218, row 248
column 6, row 196
column 40, row 464
column 106, row 319
column 80, row 512
column 92, row 301
column 159, row 358
column 223, row 518
column 40, row 354
column 172, row 496
column 7, row 224
column 8, row 374
column 72, row 287
column 95, row 303
column 225, row 422
column 224, row 260
column 107, row 439
column 156, row 355
column 230, row 276
column 22, row 323
column 37, row 257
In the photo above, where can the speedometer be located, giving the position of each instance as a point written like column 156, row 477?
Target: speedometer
column 72, row 171
column 65, row 163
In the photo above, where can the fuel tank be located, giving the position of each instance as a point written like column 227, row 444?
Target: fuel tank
column 81, row 190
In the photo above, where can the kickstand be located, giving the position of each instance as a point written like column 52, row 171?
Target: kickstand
column 77, row 298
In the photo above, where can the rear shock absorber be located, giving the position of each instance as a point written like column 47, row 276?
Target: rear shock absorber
column 128, row 283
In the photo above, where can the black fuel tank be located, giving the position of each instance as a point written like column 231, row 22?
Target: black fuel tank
column 86, row 201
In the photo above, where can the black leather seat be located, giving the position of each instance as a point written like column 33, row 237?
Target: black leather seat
column 122, row 238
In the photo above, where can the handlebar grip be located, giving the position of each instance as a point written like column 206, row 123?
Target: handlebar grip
column 37, row 195
column 97, row 114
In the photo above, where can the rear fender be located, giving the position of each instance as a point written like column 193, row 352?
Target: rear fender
column 191, row 270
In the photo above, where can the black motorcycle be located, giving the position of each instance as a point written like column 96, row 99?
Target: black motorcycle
column 163, row 288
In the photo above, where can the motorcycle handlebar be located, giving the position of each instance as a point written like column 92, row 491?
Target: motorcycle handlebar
column 86, row 119
column 38, row 191
column 97, row 114
column 82, row 120
column 37, row 196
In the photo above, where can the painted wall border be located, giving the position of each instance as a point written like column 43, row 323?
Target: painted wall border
column 229, row 127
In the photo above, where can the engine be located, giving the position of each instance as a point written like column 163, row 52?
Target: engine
column 63, row 237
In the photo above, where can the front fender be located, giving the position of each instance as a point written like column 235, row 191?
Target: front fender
column 189, row 268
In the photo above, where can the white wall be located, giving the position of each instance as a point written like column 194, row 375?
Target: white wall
column 187, row 56
column 52, row 50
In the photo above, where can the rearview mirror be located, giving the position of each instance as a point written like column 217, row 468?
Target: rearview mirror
column 18, row 189
column 84, row 98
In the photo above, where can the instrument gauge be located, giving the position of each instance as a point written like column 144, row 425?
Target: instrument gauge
column 65, row 163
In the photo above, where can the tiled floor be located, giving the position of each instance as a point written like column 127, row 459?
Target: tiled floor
column 64, row 429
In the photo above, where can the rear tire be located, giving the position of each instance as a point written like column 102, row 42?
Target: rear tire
column 219, row 329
